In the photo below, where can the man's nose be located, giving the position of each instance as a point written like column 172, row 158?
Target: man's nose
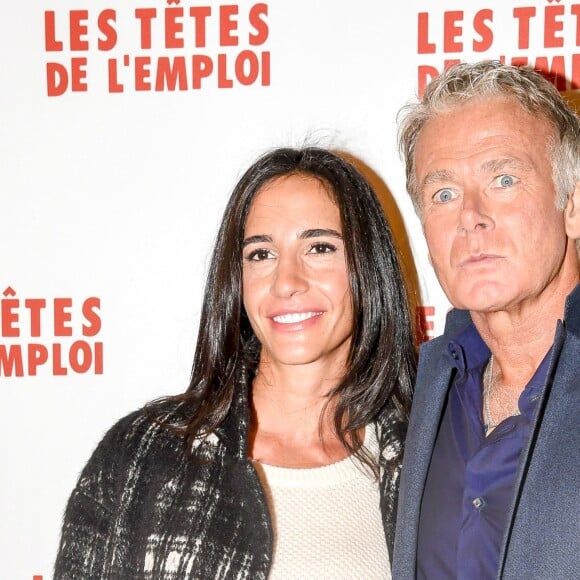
column 475, row 214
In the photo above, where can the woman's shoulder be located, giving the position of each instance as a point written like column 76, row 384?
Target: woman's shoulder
column 143, row 438
column 155, row 422
column 146, row 432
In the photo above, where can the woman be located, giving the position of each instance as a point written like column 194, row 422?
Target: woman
column 281, row 460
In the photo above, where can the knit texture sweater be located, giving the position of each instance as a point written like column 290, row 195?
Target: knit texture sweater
column 143, row 510
column 326, row 520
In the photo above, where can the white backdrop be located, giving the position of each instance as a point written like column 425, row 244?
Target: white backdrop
column 113, row 179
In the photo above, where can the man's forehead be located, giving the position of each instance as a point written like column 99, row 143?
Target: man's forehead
column 489, row 136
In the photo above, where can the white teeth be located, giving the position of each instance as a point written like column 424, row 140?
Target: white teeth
column 294, row 317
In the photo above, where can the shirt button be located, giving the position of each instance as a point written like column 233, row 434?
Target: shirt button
column 478, row 503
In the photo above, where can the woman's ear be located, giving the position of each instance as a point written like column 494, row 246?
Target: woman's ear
column 572, row 214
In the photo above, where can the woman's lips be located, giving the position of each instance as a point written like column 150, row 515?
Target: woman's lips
column 295, row 317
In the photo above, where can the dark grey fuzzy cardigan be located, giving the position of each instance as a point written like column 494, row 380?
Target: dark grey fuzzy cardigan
column 141, row 509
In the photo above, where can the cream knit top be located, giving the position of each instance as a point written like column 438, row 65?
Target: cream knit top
column 326, row 520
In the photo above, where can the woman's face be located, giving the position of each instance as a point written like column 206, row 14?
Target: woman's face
column 295, row 280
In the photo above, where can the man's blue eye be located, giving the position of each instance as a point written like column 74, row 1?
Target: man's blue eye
column 444, row 195
column 506, row 180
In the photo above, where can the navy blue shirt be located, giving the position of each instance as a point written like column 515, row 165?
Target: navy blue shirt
column 471, row 477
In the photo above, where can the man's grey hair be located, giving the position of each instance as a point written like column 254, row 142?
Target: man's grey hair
column 490, row 79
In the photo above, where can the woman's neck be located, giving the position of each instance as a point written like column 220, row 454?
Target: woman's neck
column 292, row 417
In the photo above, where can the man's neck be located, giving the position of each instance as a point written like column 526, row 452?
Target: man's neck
column 520, row 337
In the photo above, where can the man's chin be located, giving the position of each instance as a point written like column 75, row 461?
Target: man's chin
column 481, row 304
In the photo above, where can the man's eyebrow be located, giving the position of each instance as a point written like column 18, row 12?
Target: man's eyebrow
column 437, row 176
column 259, row 239
column 498, row 165
column 320, row 233
column 493, row 166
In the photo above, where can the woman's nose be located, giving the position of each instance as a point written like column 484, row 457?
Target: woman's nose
column 289, row 277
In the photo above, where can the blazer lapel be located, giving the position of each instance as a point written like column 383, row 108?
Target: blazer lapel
column 433, row 382
column 553, row 391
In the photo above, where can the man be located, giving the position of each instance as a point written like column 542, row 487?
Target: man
column 491, row 480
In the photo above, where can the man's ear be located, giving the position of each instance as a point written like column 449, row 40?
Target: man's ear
column 572, row 214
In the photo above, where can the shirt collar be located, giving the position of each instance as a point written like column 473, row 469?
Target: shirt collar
column 467, row 349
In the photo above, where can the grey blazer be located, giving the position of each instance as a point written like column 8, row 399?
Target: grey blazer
column 542, row 539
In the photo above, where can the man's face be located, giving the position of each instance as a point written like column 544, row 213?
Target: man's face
column 495, row 237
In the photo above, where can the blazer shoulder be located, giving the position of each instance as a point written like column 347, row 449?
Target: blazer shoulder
column 429, row 354
column 430, row 351
column 137, row 434
column 131, row 428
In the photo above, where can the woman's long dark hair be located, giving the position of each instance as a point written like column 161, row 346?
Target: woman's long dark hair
column 381, row 365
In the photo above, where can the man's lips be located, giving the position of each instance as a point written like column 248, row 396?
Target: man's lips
column 295, row 317
column 479, row 260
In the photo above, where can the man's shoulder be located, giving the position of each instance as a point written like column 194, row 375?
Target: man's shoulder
column 434, row 353
column 456, row 322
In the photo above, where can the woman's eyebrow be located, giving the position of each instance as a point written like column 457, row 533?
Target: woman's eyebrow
column 320, row 233
column 258, row 239
column 303, row 235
